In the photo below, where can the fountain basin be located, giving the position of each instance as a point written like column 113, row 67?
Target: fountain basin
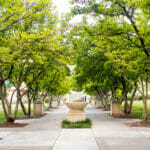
column 76, row 112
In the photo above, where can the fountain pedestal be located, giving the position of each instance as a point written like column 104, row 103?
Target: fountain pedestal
column 76, row 112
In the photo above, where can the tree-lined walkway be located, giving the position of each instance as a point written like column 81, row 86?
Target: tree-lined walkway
column 45, row 133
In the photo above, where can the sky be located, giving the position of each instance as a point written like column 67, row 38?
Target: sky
column 62, row 6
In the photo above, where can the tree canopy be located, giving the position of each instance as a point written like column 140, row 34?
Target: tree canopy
column 111, row 48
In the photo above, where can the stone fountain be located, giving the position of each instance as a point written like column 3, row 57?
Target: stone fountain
column 76, row 112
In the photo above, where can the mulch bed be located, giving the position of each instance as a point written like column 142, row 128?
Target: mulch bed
column 13, row 125
column 19, row 125
column 55, row 107
column 139, row 124
column 134, row 124
column 30, row 117
column 99, row 107
column 130, row 116
column 106, row 109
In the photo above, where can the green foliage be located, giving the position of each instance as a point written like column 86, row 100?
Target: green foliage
column 56, row 81
column 112, row 51
column 79, row 124
column 32, row 49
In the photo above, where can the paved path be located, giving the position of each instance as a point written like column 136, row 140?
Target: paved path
column 45, row 133
column 112, row 134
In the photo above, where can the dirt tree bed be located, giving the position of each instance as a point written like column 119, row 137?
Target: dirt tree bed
column 13, row 125
column 130, row 116
column 139, row 124
column 20, row 125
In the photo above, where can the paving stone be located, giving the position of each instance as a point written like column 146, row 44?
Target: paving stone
column 26, row 148
column 108, row 133
column 4, row 134
column 123, row 143
column 79, row 139
column 30, row 139
column 145, row 133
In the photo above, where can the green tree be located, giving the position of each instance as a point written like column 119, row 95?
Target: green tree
column 119, row 31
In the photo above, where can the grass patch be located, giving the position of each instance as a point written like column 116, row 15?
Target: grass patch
column 19, row 114
column 137, row 109
column 3, row 119
column 79, row 124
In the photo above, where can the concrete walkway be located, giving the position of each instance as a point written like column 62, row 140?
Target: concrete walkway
column 45, row 133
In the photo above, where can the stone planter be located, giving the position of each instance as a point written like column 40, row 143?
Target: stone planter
column 99, row 104
column 54, row 104
column 115, row 108
column 93, row 102
column 76, row 112
column 38, row 108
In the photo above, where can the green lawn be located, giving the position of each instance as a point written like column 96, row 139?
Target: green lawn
column 138, row 109
column 19, row 114
column 2, row 117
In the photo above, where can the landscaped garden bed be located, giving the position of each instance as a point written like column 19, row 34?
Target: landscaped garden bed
column 79, row 124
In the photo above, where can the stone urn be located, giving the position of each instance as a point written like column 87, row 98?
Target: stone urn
column 38, row 108
column 115, row 108
column 76, row 112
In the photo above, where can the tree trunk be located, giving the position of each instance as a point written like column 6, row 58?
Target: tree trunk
column 145, row 96
column 11, row 99
column 145, row 109
column 145, row 116
column 19, row 98
column 101, row 94
column 16, row 109
column 3, row 94
column 29, row 103
column 58, row 100
column 44, row 96
column 50, row 101
column 105, row 99
column 124, row 92
column 131, row 101
column 3, row 101
column 6, row 100
column 126, row 105
column 23, row 107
